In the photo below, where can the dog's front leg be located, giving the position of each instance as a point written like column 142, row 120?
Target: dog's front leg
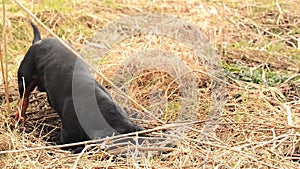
column 24, row 102
column 20, row 113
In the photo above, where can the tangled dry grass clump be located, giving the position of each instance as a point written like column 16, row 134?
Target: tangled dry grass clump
column 258, row 43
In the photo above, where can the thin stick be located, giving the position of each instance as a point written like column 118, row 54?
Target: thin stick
column 131, row 148
column 94, row 69
column 167, row 126
column 4, row 77
column 291, row 78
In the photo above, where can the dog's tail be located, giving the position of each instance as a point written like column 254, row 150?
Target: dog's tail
column 36, row 33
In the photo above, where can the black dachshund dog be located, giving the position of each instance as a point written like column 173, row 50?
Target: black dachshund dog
column 86, row 109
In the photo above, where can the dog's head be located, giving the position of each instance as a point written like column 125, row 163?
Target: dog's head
column 27, row 74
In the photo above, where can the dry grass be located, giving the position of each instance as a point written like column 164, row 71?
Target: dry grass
column 259, row 45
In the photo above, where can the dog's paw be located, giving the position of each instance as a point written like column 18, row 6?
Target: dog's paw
column 16, row 116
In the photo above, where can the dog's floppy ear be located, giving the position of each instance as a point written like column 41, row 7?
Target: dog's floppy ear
column 36, row 33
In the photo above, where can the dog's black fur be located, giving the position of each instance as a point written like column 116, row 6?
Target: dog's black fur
column 52, row 68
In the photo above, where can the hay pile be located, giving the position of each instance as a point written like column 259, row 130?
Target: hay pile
column 259, row 47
